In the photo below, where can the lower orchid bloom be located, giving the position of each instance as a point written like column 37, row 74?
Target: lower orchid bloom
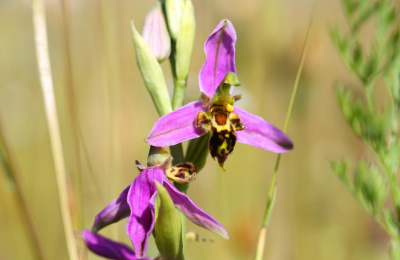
column 138, row 202
column 215, row 112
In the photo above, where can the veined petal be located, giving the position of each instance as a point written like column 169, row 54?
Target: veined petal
column 107, row 248
column 261, row 134
column 177, row 126
column 141, row 198
column 115, row 211
column 194, row 212
column 220, row 57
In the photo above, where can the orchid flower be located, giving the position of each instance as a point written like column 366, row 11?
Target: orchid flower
column 138, row 202
column 215, row 112
column 107, row 248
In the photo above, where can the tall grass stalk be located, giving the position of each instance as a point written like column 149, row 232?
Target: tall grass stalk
column 43, row 59
column 273, row 186
column 9, row 165
column 108, row 17
column 73, row 113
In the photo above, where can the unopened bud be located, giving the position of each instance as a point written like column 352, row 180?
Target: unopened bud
column 155, row 34
column 157, row 156
column 173, row 10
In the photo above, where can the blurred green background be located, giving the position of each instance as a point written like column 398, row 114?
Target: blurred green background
column 314, row 218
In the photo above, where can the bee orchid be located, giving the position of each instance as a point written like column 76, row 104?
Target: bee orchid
column 216, row 113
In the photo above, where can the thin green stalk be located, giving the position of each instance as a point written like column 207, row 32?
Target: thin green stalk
column 179, row 85
column 273, row 186
column 43, row 59
column 10, row 167
column 370, row 98
column 177, row 150
column 179, row 93
column 177, row 102
column 394, row 189
column 177, row 153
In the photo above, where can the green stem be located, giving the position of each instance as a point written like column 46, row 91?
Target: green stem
column 179, row 85
column 177, row 150
column 177, row 102
column 271, row 195
column 43, row 59
column 179, row 93
column 273, row 186
column 370, row 98
column 394, row 189
column 395, row 115
column 177, row 153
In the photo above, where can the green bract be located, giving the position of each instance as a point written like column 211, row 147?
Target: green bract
column 152, row 74
column 168, row 227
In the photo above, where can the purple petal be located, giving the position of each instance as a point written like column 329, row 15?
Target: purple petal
column 177, row 126
column 141, row 199
column 115, row 211
column 107, row 248
column 194, row 212
column 220, row 57
column 261, row 134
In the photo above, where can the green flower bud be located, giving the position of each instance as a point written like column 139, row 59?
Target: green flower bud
column 157, row 156
column 152, row 74
column 185, row 41
column 173, row 9
column 155, row 33
column 167, row 228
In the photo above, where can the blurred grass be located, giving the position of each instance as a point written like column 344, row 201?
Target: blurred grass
column 315, row 217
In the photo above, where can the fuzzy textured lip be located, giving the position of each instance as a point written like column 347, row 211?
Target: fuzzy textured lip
column 217, row 78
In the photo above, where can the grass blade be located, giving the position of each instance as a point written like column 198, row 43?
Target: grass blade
column 46, row 80
column 273, row 187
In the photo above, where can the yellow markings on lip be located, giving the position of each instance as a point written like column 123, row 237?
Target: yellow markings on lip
column 229, row 107
column 219, row 119
column 181, row 173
